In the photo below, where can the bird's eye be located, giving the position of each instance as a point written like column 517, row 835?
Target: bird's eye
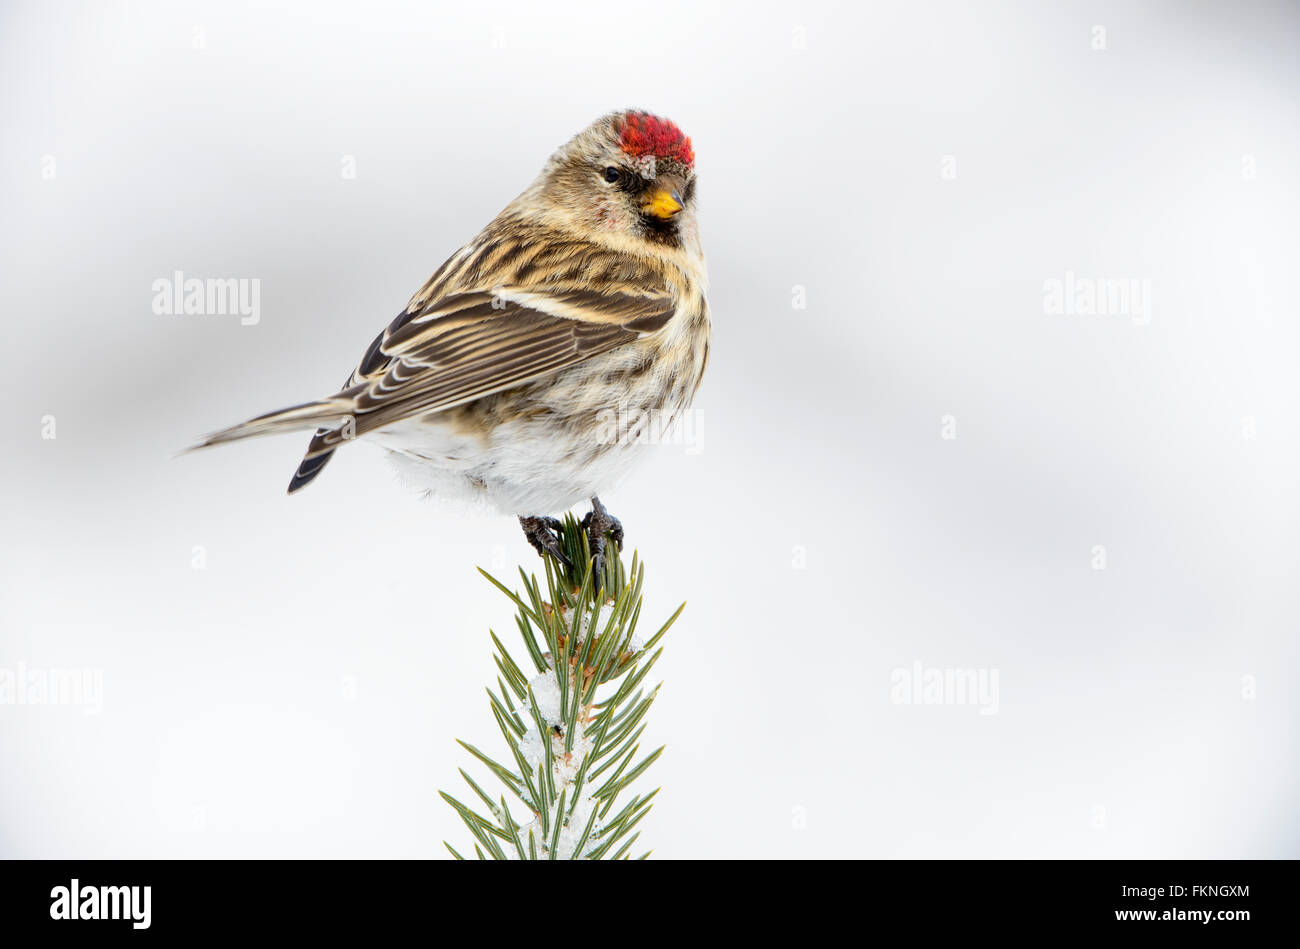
column 612, row 174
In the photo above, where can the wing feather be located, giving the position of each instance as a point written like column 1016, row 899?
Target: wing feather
column 480, row 347
column 456, row 343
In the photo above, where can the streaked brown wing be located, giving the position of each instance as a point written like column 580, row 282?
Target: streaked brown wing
column 469, row 345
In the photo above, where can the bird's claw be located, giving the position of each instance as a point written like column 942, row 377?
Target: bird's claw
column 543, row 533
column 598, row 522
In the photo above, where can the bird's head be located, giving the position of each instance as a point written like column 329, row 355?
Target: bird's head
column 627, row 175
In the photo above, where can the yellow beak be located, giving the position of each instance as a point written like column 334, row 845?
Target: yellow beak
column 663, row 204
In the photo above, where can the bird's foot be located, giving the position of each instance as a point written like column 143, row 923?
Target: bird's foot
column 543, row 534
column 597, row 523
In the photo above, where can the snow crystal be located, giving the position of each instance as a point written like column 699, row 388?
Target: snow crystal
column 546, row 689
column 564, row 768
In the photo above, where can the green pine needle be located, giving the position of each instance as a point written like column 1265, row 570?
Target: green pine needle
column 579, row 630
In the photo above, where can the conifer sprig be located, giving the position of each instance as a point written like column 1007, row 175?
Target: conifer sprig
column 572, row 751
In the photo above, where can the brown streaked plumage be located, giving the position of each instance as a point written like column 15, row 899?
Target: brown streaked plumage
column 584, row 297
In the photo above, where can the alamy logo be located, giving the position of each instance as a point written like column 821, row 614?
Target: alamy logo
column 919, row 685
column 634, row 426
column 178, row 295
column 102, row 902
column 1098, row 296
column 29, row 685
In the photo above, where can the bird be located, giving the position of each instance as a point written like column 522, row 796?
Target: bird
column 582, row 302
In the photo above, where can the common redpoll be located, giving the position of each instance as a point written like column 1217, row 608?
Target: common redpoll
column 583, row 298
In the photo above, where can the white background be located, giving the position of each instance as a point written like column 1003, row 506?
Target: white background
column 300, row 695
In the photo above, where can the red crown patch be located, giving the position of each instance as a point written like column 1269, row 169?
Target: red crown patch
column 641, row 133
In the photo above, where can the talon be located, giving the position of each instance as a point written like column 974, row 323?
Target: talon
column 543, row 534
column 597, row 523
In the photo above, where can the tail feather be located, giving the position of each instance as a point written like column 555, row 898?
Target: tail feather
column 323, row 414
column 312, row 464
